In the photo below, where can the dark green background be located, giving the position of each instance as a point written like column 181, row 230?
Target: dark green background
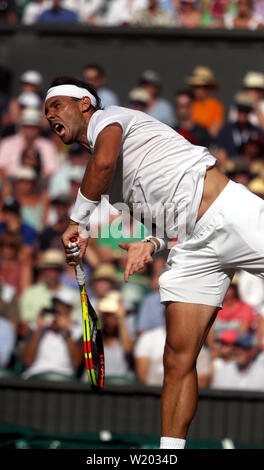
column 126, row 52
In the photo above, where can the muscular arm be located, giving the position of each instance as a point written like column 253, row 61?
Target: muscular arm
column 96, row 181
column 100, row 168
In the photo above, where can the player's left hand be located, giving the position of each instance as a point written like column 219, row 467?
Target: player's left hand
column 139, row 254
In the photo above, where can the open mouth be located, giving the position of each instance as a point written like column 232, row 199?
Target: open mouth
column 59, row 129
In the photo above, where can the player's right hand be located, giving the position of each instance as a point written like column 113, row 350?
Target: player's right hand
column 74, row 249
column 139, row 254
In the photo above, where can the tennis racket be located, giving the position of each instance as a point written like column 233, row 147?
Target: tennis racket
column 92, row 335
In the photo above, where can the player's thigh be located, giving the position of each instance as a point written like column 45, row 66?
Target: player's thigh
column 187, row 328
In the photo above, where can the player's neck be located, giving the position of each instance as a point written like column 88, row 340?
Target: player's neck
column 82, row 137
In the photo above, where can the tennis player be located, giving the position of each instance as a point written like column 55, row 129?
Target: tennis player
column 220, row 225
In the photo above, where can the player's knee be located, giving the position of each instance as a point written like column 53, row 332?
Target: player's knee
column 178, row 362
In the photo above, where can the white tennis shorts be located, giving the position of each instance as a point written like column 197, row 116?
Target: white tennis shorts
column 228, row 237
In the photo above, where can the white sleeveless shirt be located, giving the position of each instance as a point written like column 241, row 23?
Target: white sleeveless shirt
column 158, row 166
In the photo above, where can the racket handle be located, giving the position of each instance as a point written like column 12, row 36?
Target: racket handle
column 79, row 272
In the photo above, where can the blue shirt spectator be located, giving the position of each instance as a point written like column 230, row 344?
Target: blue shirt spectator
column 28, row 234
column 151, row 312
column 57, row 15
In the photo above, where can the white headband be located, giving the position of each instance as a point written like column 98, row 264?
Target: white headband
column 70, row 90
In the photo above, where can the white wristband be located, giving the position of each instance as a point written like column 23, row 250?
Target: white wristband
column 161, row 242
column 83, row 208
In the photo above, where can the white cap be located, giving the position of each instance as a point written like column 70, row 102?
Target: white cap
column 31, row 117
column 29, row 100
column 25, row 173
column 65, row 296
column 31, row 76
column 139, row 94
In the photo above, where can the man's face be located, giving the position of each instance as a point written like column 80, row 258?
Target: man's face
column 93, row 78
column 30, row 133
column 151, row 88
column 183, row 106
column 244, row 356
column 242, row 115
column 64, row 116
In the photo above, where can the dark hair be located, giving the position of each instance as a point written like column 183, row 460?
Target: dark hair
column 74, row 81
column 184, row 92
column 97, row 67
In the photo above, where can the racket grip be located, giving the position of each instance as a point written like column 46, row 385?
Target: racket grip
column 79, row 272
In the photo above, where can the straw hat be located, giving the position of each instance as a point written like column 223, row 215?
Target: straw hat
column 110, row 303
column 244, row 99
column 31, row 117
column 202, row 76
column 139, row 95
column 105, row 271
column 257, row 186
column 52, row 258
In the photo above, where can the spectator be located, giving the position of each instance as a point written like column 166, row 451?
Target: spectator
column 189, row 14
column 185, row 124
column 246, row 371
column 239, row 171
column 28, row 139
column 14, row 270
column 8, row 12
column 235, row 315
column 213, row 12
column 118, row 344
column 34, row 207
column 9, row 308
column 151, row 311
column 245, row 18
column 60, row 182
column 57, row 15
column 94, row 76
column 253, row 83
column 30, row 82
column 50, row 237
column 148, row 355
column 103, row 280
column 12, row 222
column 120, row 12
column 55, row 344
column 153, row 15
column 49, row 268
column 158, row 107
column 7, row 341
column 259, row 9
column 224, row 349
column 207, row 111
column 234, row 135
column 90, row 12
column 33, row 10
column 139, row 99
column 257, row 186
column 252, row 152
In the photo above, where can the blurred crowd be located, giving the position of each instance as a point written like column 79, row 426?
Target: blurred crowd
column 230, row 14
column 40, row 313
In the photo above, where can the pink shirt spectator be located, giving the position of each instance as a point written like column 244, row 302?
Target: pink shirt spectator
column 240, row 312
column 11, row 149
